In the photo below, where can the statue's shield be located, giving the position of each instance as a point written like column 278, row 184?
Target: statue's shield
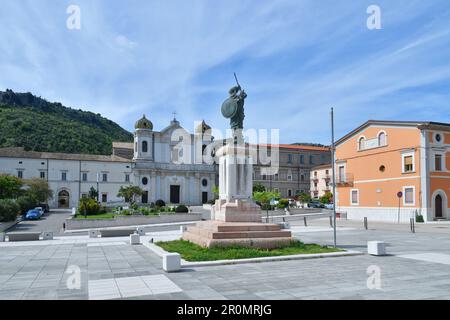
column 229, row 108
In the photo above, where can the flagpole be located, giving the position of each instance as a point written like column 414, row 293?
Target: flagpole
column 334, row 177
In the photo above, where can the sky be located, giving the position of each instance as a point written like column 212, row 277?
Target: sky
column 295, row 59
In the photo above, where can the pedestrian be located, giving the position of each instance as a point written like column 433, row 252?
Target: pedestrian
column 64, row 226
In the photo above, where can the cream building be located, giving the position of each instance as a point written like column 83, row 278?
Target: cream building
column 321, row 180
column 156, row 161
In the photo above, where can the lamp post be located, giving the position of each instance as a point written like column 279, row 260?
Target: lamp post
column 98, row 193
column 334, row 177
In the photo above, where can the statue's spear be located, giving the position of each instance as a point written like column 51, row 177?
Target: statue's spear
column 235, row 77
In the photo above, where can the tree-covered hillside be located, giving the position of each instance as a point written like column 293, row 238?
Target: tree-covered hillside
column 38, row 125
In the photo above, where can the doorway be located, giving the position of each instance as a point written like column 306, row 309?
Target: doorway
column 204, row 197
column 63, row 199
column 144, row 198
column 438, row 212
column 174, row 194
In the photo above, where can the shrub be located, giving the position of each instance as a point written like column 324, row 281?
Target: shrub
column 8, row 210
column 92, row 206
column 126, row 212
column 419, row 218
column 26, row 203
column 283, row 203
column 160, row 203
column 181, row 209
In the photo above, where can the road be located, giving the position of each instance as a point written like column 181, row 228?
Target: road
column 52, row 221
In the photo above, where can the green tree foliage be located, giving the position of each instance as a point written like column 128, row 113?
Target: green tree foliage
column 304, row 197
column 258, row 187
column 326, row 198
column 39, row 190
column 8, row 210
column 26, row 123
column 283, row 203
column 10, row 186
column 264, row 197
column 129, row 193
column 88, row 206
column 215, row 190
column 26, row 203
column 93, row 193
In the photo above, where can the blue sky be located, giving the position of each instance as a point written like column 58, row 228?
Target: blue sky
column 295, row 59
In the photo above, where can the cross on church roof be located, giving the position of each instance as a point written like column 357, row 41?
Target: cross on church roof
column 174, row 115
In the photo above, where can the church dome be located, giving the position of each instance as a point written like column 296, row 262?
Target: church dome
column 143, row 123
column 202, row 127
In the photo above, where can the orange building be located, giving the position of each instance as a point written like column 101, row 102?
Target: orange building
column 380, row 159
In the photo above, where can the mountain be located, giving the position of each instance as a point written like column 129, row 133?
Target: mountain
column 38, row 125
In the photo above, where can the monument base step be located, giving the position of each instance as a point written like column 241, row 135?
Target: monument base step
column 225, row 234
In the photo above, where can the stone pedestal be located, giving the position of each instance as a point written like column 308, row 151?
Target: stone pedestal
column 236, row 219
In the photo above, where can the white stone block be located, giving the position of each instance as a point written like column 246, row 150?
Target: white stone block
column 183, row 229
column 2, row 237
column 135, row 239
column 140, row 231
column 93, row 233
column 47, row 235
column 376, row 248
column 171, row 262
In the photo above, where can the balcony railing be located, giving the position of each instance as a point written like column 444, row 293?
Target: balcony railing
column 344, row 179
column 327, row 177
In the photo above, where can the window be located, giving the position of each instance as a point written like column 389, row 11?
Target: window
column 381, row 139
column 105, row 177
column 63, row 176
column 144, row 181
column 144, row 146
column 311, row 159
column 326, row 172
column 104, row 197
column 302, row 177
column 354, row 196
column 289, row 158
column 127, row 177
column 315, row 173
column 361, row 143
column 264, row 177
column 84, row 176
column 20, row 174
column 408, row 163
column 276, row 176
column 341, row 174
column 204, row 182
column 42, row 174
column 84, row 195
column 438, row 137
column 315, row 184
column 408, row 196
column 289, row 177
column 302, row 159
column 289, row 193
column 437, row 162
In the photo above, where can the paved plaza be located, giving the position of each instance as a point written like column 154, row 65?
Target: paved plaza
column 417, row 267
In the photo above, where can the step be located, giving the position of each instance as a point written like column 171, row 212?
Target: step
column 237, row 226
column 211, row 234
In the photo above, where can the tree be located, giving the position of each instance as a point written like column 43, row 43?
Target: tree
column 304, row 197
column 10, row 186
column 129, row 193
column 93, row 193
column 39, row 190
column 215, row 190
column 258, row 187
column 326, row 198
column 265, row 197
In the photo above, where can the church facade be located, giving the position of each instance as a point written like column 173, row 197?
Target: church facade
column 164, row 169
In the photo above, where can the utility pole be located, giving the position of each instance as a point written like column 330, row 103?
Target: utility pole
column 334, row 176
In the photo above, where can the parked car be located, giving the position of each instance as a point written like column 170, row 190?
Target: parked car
column 315, row 204
column 33, row 214
column 40, row 210
column 329, row 206
column 45, row 207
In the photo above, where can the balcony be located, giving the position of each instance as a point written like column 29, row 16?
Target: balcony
column 327, row 177
column 315, row 179
column 344, row 180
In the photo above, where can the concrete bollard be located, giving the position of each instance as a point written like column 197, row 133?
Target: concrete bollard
column 47, row 235
column 135, row 239
column 2, row 237
column 93, row 233
column 140, row 231
column 183, row 229
column 376, row 248
column 171, row 262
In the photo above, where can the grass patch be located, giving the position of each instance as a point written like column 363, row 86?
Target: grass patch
column 192, row 252
column 96, row 216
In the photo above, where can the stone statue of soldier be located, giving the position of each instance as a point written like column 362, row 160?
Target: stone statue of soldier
column 233, row 108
